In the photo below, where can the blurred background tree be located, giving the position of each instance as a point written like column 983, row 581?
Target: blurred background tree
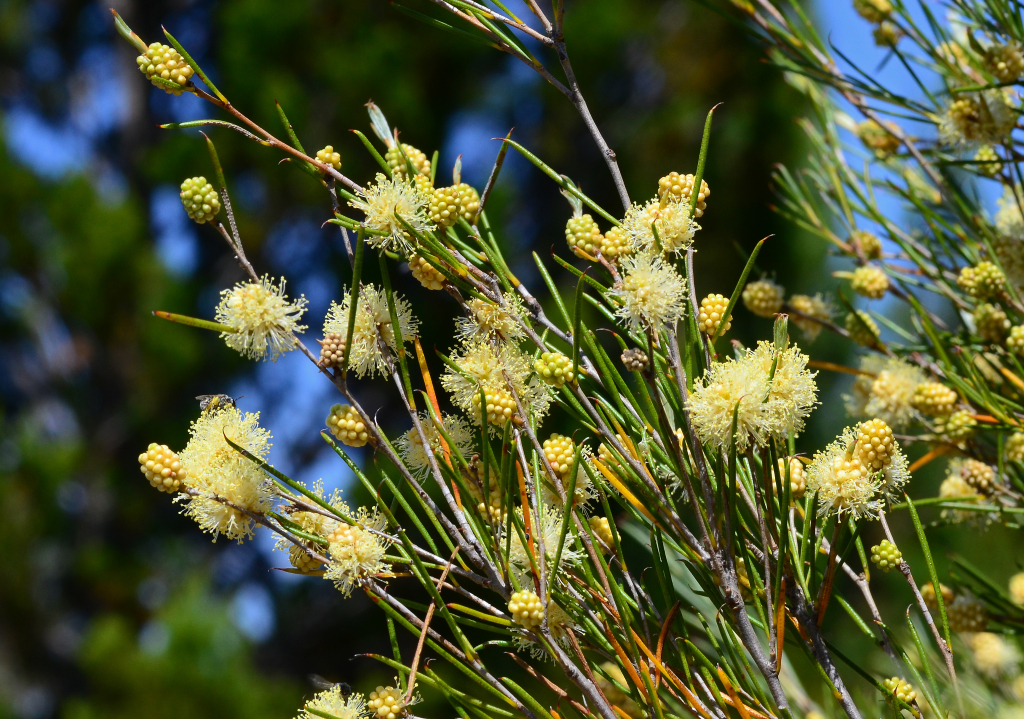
column 107, row 606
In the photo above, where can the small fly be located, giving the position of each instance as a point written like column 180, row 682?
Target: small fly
column 216, row 402
column 322, row 684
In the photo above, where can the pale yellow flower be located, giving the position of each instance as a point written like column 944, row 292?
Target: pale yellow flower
column 265, row 322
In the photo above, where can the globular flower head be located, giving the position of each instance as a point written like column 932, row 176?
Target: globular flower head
column 357, row 550
column 199, row 199
column 792, row 392
column 502, row 321
column 329, row 157
column 497, row 371
column 993, row 656
column 979, row 118
column 733, row 387
column 653, row 294
column 333, row 702
column 372, row 328
column 670, row 217
column 312, row 523
column 887, row 391
column 870, row 282
column 225, row 484
column 414, row 454
column 265, row 322
column 680, row 187
column 387, row 200
column 991, row 322
column 862, row 328
column 844, row 485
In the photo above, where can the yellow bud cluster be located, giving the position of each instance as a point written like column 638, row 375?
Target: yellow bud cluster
column 1015, row 447
column 607, row 454
column 162, row 468
column 425, row 273
column 900, row 689
column 814, row 307
column 526, row 609
column 870, row 282
column 165, row 63
column 554, row 368
column 444, row 206
column 967, row 614
column 988, row 161
column 417, row 158
column 681, row 187
column 886, row 555
column 873, row 10
column 329, row 157
column 870, row 245
column 345, row 423
column 874, row 445
column 1015, row 342
column 635, row 360
column 979, row 475
column 469, row 202
column 991, row 322
column 935, row 399
column 797, row 476
column 863, row 331
column 386, row 703
column 332, row 350
column 200, row 200
column 887, row 34
column 302, row 560
column 583, row 235
column 712, row 312
column 500, row 406
column 959, row 425
column 982, row 281
column 602, row 529
column 614, row 245
column 560, row 452
column 763, row 298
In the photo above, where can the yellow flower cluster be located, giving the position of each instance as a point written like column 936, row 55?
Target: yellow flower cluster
column 263, row 320
column 373, row 331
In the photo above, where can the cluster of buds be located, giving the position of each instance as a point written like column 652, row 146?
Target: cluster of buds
column 614, row 245
column 425, row 273
column 165, row 63
column 469, row 202
column 877, row 138
column 870, row 282
column 554, row 368
column 602, row 529
column 444, row 206
column 712, row 314
column 302, row 560
column 680, row 187
column 935, row 399
column 526, row 609
column 875, row 444
column 329, row 157
column 957, row 426
column 395, row 157
column 764, row 298
column 1015, row 341
column 200, row 199
column 501, row 405
column 988, row 161
column 869, row 245
column 797, row 476
column 885, row 555
column 991, row 322
column 982, row 281
column 560, row 451
column 635, row 360
column 332, row 350
column 162, row 468
column 386, row 703
column 345, row 423
column 1005, row 62
column 980, row 476
column 862, row 328
column 900, row 689
column 583, row 235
